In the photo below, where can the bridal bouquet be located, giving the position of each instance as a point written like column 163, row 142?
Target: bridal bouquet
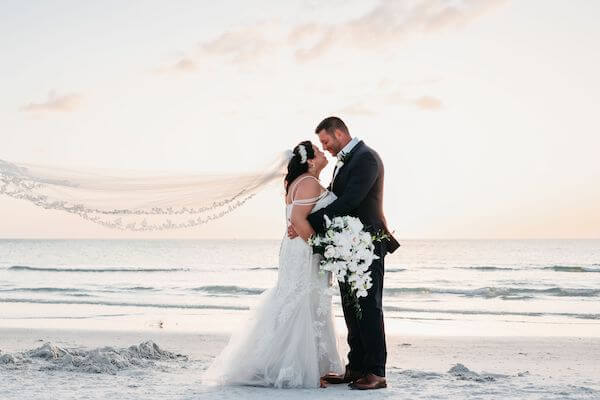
column 348, row 250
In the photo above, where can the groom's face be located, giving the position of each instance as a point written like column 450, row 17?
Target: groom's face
column 330, row 142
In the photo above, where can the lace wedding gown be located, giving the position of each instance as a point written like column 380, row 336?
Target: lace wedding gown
column 289, row 339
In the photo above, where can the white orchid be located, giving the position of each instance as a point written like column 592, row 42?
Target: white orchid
column 365, row 237
column 329, row 251
column 348, row 252
column 353, row 266
column 355, row 225
column 328, row 266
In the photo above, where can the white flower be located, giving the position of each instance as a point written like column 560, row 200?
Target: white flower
column 328, row 266
column 352, row 266
column 315, row 241
column 368, row 260
column 348, row 253
column 338, row 223
column 329, row 252
column 364, row 267
column 339, row 271
column 344, row 252
column 368, row 281
column 365, row 237
column 363, row 254
column 303, row 154
column 289, row 154
column 355, row 225
column 345, row 238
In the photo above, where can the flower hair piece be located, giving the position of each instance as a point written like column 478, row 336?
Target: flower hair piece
column 289, row 154
column 303, row 154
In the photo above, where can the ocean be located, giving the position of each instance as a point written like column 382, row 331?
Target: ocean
column 432, row 287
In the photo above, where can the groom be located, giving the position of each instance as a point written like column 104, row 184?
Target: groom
column 358, row 184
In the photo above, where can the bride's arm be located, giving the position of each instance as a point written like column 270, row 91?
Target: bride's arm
column 307, row 189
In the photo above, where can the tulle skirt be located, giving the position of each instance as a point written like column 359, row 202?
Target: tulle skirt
column 289, row 338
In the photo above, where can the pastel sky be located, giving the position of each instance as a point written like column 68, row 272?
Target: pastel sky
column 485, row 112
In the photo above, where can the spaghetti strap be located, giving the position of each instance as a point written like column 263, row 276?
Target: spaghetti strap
column 298, row 182
column 309, row 201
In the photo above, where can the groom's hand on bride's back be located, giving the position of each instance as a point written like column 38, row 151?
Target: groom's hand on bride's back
column 292, row 232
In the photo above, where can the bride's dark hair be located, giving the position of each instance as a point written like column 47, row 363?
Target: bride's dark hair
column 295, row 167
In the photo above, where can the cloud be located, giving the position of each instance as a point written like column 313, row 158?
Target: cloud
column 356, row 109
column 243, row 45
column 389, row 23
column 184, row 65
column 428, row 103
column 64, row 103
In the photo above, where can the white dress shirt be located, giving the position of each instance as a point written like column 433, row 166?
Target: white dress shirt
column 347, row 148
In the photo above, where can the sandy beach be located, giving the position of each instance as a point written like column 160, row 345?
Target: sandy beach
column 96, row 364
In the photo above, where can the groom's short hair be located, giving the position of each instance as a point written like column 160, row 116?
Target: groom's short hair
column 330, row 124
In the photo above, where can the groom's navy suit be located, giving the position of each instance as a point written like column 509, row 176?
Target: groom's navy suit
column 358, row 186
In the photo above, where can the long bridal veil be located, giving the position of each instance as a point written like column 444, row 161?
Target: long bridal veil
column 134, row 200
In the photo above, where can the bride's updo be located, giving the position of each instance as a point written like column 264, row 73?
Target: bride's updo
column 298, row 164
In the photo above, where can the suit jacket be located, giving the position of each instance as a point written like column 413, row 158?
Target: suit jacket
column 358, row 186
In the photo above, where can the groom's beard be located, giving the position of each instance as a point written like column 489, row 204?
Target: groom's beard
column 335, row 150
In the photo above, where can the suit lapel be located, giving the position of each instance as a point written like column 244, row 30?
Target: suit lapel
column 336, row 177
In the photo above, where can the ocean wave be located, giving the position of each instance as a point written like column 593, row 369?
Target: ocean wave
column 125, row 304
column 557, row 268
column 94, row 316
column 108, row 269
column 490, row 312
column 106, row 360
column 566, row 268
column 508, row 293
column 44, row 289
column 74, row 291
column 395, row 269
column 228, row 290
column 485, row 268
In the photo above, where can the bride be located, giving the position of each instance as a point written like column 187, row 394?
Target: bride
column 289, row 340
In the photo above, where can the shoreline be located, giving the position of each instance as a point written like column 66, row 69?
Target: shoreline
column 428, row 367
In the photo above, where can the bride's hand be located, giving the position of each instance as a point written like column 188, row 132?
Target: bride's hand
column 292, row 232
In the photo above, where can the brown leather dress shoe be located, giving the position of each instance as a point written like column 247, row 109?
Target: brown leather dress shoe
column 368, row 382
column 348, row 377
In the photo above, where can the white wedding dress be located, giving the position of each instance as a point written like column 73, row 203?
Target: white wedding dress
column 289, row 340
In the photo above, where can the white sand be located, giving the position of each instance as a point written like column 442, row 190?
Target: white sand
column 100, row 364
